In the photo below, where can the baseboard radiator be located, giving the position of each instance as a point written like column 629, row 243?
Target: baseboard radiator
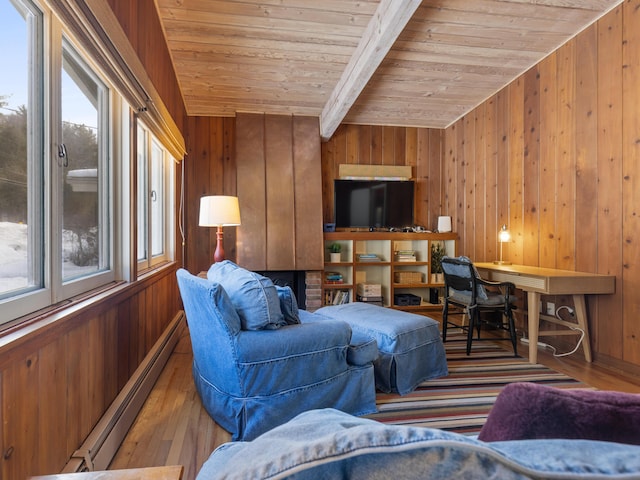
column 104, row 440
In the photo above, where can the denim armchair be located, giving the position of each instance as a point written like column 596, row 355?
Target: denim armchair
column 250, row 381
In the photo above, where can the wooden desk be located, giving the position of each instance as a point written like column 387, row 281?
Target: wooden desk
column 538, row 281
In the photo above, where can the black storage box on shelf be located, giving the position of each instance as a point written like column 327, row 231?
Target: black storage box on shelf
column 406, row 299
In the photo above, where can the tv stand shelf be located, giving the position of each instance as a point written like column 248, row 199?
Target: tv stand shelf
column 409, row 273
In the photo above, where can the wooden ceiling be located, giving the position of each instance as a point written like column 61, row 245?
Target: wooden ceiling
column 371, row 62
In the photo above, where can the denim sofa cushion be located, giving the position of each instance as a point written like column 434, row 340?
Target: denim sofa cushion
column 411, row 350
column 362, row 349
column 288, row 305
column 254, row 296
column 329, row 444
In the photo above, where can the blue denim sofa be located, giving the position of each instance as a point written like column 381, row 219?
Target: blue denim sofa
column 256, row 366
column 328, row 444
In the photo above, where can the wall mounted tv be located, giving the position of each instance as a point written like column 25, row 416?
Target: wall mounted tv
column 373, row 203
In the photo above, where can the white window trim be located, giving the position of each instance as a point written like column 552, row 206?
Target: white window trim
column 106, row 212
column 169, row 216
column 113, row 59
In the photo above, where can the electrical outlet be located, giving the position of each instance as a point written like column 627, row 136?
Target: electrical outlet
column 551, row 308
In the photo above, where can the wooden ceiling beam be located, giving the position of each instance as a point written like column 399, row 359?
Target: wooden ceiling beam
column 388, row 21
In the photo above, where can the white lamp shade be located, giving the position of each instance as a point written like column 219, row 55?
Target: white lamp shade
column 444, row 224
column 219, row 210
column 504, row 235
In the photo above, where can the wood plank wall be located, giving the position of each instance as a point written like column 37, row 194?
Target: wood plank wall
column 57, row 381
column 279, row 189
column 420, row 148
column 141, row 23
column 555, row 156
column 58, row 377
column 210, row 169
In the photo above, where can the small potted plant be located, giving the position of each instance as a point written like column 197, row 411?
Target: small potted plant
column 334, row 249
column 437, row 252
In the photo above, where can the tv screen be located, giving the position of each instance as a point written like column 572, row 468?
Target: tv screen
column 373, row 203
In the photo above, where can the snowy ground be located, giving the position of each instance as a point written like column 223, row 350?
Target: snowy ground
column 13, row 257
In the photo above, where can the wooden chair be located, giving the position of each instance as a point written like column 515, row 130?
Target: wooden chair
column 468, row 292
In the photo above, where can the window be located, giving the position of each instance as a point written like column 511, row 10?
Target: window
column 22, row 227
column 55, row 239
column 64, row 129
column 82, row 163
column 154, row 180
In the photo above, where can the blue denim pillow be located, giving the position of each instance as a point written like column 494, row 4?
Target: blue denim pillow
column 288, row 305
column 254, row 297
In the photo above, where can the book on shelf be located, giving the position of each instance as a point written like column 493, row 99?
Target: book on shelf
column 333, row 277
column 340, row 297
column 406, row 256
column 368, row 257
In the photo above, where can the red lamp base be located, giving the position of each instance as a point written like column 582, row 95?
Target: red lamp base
column 218, row 256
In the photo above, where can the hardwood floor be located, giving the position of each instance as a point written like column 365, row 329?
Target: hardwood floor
column 174, row 429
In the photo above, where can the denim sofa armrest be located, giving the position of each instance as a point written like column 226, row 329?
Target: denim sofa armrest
column 331, row 444
column 301, row 339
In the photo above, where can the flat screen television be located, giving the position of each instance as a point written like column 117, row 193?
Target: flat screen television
column 373, row 203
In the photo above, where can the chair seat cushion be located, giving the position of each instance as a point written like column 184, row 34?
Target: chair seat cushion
column 492, row 299
column 255, row 297
column 410, row 347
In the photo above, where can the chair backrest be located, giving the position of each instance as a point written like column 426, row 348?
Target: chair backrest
column 461, row 275
column 213, row 327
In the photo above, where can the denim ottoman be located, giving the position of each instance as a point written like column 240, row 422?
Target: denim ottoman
column 410, row 346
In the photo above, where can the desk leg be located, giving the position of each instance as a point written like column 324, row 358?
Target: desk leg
column 581, row 317
column 533, row 300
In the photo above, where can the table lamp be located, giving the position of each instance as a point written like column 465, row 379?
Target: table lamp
column 219, row 211
column 503, row 237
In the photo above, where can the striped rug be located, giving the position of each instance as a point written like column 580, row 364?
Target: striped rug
column 461, row 401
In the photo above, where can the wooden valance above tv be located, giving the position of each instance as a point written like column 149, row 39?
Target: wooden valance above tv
column 348, row 171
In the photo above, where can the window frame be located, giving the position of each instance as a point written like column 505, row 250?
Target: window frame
column 65, row 288
column 117, row 174
column 151, row 260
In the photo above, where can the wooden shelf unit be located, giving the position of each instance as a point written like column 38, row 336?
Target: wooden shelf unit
column 383, row 271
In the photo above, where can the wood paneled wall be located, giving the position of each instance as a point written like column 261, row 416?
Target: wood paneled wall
column 141, row 23
column 280, row 192
column 58, row 380
column 59, row 375
column 556, row 157
column 420, row 148
column 272, row 162
column 210, row 169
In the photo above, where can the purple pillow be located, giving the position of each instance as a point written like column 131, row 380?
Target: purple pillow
column 525, row 411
